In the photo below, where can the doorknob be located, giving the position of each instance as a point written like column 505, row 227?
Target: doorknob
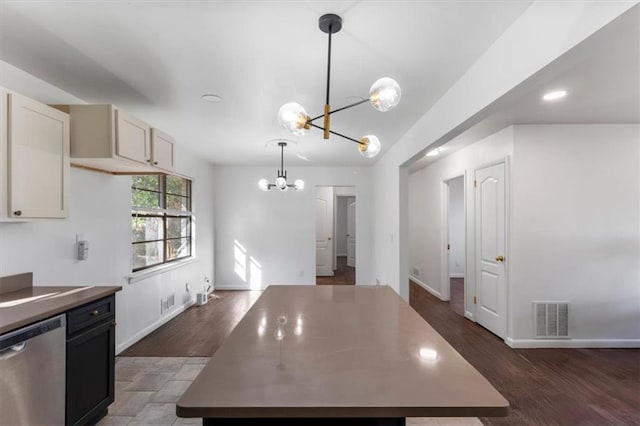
column 347, row 235
column 499, row 258
column 328, row 238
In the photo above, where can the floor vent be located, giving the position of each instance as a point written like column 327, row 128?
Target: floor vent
column 551, row 319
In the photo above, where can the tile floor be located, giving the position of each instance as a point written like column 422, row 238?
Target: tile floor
column 147, row 389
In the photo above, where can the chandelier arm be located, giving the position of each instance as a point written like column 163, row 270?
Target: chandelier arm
column 338, row 134
column 339, row 109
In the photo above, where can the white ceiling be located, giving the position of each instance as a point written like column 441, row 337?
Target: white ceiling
column 156, row 58
column 601, row 76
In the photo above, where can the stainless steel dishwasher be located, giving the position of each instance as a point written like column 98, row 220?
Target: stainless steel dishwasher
column 32, row 374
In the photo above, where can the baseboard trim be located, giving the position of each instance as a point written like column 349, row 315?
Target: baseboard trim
column 150, row 328
column 456, row 275
column 431, row 290
column 572, row 343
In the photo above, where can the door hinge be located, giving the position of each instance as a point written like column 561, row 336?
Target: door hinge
column 448, row 247
column 474, row 300
column 475, row 183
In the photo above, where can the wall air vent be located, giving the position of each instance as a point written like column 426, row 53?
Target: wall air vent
column 551, row 319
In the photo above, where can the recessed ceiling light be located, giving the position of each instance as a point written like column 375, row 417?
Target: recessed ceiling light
column 214, row 99
column 302, row 157
column 555, row 95
column 434, row 152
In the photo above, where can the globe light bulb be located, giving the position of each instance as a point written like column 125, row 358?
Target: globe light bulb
column 299, row 184
column 263, row 184
column 370, row 146
column 293, row 117
column 281, row 183
column 385, row 94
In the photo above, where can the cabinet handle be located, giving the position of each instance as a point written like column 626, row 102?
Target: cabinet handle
column 113, row 323
column 18, row 213
column 94, row 313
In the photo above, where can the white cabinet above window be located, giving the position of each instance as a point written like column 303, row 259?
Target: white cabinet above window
column 162, row 150
column 34, row 159
column 108, row 139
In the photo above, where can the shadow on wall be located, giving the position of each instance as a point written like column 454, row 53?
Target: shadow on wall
column 240, row 260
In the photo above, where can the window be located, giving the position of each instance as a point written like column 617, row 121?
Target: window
column 160, row 220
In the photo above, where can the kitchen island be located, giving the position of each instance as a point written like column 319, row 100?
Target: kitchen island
column 336, row 355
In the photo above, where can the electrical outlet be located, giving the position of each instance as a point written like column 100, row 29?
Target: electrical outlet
column 301, row 273
column 377, row 281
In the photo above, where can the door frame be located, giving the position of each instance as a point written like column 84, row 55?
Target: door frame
column 340, row 191
column 444, row 234
column 507, row 239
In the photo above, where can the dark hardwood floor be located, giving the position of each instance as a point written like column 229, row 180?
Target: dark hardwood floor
column 543, row 386
column 199, row 330
column 456, row 295
column 344, row 275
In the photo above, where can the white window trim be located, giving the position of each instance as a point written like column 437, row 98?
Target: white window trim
column 160, row 269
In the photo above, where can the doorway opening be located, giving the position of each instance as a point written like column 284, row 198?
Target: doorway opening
column 455, row 256
column 335, row 235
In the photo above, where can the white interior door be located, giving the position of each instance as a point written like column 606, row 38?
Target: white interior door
column 324, row 231
column 491, row 293
column 351, row 232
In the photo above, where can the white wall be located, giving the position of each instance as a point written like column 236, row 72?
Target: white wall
column 277, row 228
column 456, row 227
column 517, row 54
column 427, row 237
column 574, row 227
column 100, row 210
column 341, row 225
column 576, row 233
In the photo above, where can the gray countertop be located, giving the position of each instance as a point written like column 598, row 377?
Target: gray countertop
column 337, row 351
column 28, row 305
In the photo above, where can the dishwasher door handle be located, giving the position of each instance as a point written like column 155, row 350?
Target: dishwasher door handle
column 12, row 351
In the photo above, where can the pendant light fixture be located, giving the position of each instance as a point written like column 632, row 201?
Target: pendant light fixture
column 384, row 95
column 281, row 180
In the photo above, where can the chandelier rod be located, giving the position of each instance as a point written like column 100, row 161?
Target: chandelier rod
column 337, row 134
column 282, row 145
column 340, row 109
column 329, row 66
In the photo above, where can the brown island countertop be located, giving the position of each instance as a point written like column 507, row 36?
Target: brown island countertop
column 337, row 351
column 27, row 305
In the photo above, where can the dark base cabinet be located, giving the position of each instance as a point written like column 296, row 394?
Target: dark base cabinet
column 90, row 361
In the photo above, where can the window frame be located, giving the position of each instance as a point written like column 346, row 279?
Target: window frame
column 163, row 214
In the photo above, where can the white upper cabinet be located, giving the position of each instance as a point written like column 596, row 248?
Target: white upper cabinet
column 133, row 138
column 162, row 150
column 108, row 139
column 34, row 159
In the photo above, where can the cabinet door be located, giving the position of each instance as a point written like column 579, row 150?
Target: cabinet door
column 38, row 144
column 90, row 374
column 162, row 149
column 133, row 139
